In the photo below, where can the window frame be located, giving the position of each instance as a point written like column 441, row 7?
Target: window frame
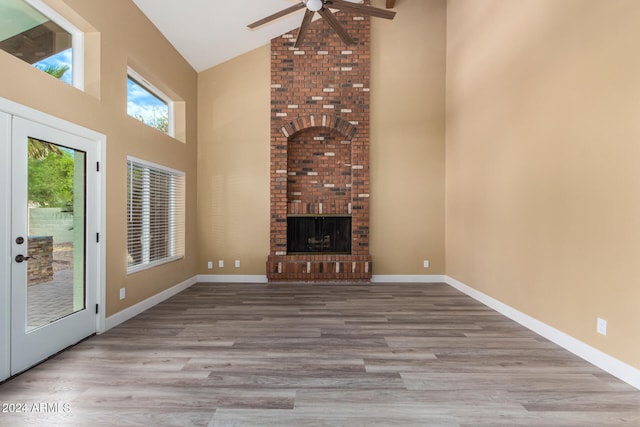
column 177, row 243
column 77, row 40
column 153, row 90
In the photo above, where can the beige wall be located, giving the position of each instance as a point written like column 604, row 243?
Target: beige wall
column 407, row 139
column 543, row 207
column 233, row 164
column 122, row 36
column 407, row 150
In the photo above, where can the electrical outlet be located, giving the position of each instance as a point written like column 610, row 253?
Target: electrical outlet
column 210, row 265
column 601, row 326
column 237, row 263
column 123, row 293
column 426, row 263
column 221, row 263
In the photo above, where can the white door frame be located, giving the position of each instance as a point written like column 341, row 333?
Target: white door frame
column 7, row 110
column 5, row 244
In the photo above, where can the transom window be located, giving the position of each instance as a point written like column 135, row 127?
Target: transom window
column 155, row 214
column 32, row 31
column 148, row 104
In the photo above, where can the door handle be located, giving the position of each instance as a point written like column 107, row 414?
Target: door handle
column 20, row 258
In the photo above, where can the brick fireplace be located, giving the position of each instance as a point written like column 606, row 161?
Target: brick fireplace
column 320, row 155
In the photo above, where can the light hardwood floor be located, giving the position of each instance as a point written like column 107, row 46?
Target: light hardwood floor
column 327, row 355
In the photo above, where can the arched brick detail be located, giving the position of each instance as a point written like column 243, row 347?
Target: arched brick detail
column 344, row 127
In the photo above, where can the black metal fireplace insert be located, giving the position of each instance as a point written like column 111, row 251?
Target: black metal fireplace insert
column 319, row 234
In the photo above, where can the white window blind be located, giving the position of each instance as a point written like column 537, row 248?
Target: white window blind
column 155, row 214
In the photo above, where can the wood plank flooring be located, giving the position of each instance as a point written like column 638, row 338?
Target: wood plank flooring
column 319, row 355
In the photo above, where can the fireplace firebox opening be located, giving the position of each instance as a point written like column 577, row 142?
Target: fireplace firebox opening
column 319, row 234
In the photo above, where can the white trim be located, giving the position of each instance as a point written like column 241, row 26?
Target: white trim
column 237, row 278
column 5, row 245
column 149, row 265
column 408, row 278
column 29, row 113
column 77, row 60
column 142, row 306
column 615, row 367
column 101, row 295
column 231, row 278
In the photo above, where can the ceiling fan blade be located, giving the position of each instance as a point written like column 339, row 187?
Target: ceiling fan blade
column 360, row 8
column 306, row 21
column 277, row 15
column 333, row 22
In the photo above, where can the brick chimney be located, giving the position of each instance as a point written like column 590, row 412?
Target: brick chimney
column 320, row 151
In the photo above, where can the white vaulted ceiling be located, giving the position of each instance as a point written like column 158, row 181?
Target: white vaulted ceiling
column 209, row 32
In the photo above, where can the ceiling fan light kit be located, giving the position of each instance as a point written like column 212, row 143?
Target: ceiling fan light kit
column 323, row 7
column 314, row 5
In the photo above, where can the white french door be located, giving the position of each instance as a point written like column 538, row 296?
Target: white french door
column 54, row 251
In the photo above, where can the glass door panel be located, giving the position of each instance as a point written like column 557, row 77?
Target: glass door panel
column 56, row 232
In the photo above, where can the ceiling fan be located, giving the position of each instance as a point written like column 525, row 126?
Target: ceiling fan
column 323, row 8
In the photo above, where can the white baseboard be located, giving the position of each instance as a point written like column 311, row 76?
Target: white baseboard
column 406, row 278
column 134, row 310
column 615, row 367
column 231, row 278
column 236, row 278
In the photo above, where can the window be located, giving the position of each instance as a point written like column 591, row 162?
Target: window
column 148, row 104
column 35, row 33
column 155, row 214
